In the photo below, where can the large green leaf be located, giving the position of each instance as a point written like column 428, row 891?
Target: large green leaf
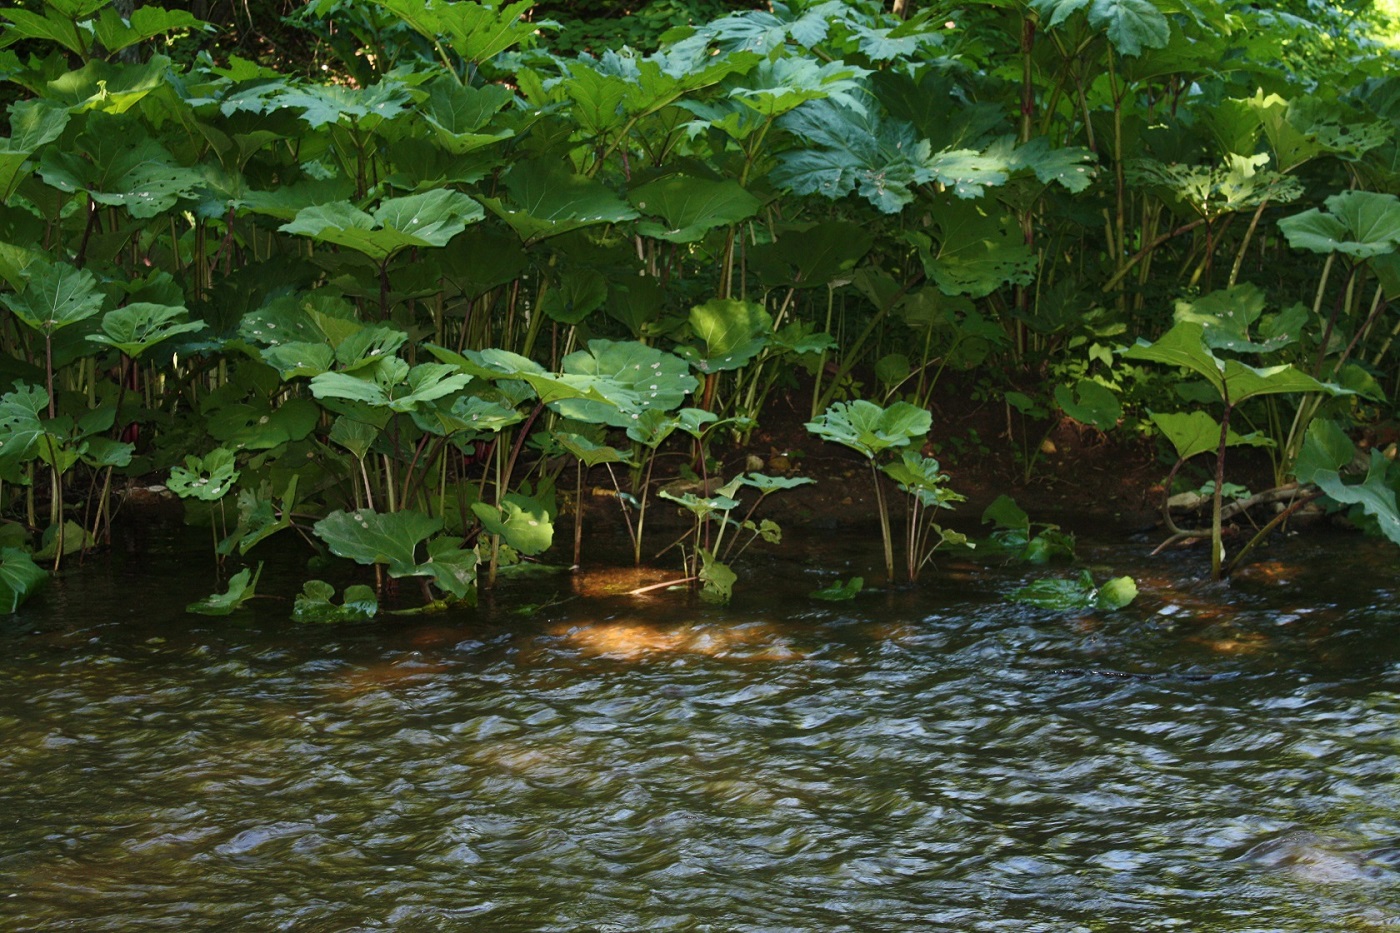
column 1374, row 495
column 146, row 22
column 879, row 158
column 207, row 478
column 522, row 521
column 135, row 328
column 1196, row 432
column 20, row 578
column 326, row 104
column 733, row 331
column 33, row 124
column 1234, row 382
column 1326, row 448
column 812, row 256
column 56, row 295
column 477, row 32
column 1361, row 224
column 632, row 376
column 545, row 200
column 457, row 114
column 21, row 426
column 691, row 207
column 866, row 427
column 259, row 518
column 117, row 162
column 451, row 567
column 1131, row 25
column 980, row 249
column 370, row 537
column 1090, row 403
column 428, row 219
column 56, row 24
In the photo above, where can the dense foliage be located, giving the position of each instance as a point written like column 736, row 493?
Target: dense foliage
column 393, row 304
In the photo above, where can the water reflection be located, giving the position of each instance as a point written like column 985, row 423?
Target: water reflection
column 1214, row 758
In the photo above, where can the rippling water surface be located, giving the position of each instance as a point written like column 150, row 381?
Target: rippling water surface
column 934, row 758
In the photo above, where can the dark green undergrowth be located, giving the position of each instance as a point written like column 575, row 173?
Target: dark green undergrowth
column 392, row 275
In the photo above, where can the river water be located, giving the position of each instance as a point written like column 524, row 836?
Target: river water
column 928, row 758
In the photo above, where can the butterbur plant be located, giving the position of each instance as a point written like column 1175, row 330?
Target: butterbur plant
column 717, row 540
column 872, row 430
column 926, row 487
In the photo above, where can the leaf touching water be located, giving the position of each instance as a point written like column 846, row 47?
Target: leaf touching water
column 242, row 587
column 20, row 578
column 314, row 604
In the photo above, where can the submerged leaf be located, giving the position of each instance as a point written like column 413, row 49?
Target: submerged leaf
column 838, row 591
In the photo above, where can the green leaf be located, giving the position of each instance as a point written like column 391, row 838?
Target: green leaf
column 1116, row 594
column 146, row 22
column 458, row 112
column 766, row 484
column 1131, row 25
column 242, row 586
column 547, row 200
column 813, row 256
column 691, row 207
column 21, row 426
column 1069, row 166
column 590, row 453
column 522, row 521
column 979, row 250
column 1090, row 403
column 429, row 219
column 1005, row 513
column 118, row 163
column 716, row 579
column 1326, row 449
column 370, row 537
column 137, row 327
column 1078, row 594
column 207, row 478
column 839, row 592
column 866, row 427
column 1234, row 382
column 451, row 568
column 314, row 604
column 477, row 32
column 259, row 518
column 354, row 436
column 635, row 377
column 922, row 478
column 20, row 578
column 1196, row 432
column 734, row 333
column 1374, row 496
column 56, row 296
column 878, row 158
column 1361, row 224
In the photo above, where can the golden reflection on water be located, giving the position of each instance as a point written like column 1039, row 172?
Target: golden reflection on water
column 636, row 640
